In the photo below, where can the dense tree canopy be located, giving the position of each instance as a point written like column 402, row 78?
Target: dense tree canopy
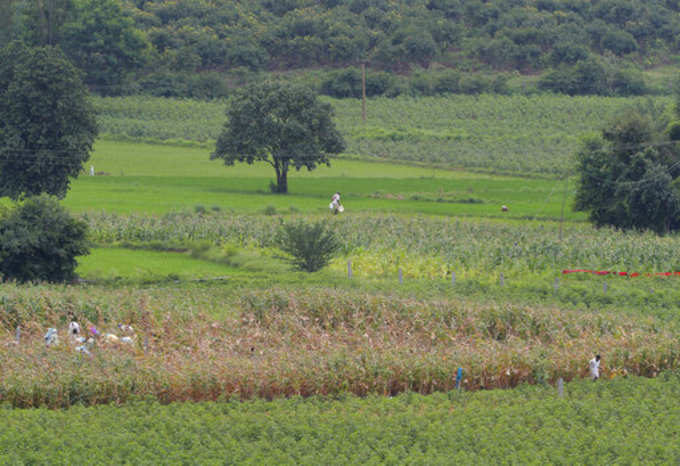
column 628, row 176
column 103, row 42
column 98, row 36
column 39, row 240
column 518, row 34
column 47, row 124
column 113, row 39
column 286, row 126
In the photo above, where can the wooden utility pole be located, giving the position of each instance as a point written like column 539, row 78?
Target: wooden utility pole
column 564, row 201
column 363, row 91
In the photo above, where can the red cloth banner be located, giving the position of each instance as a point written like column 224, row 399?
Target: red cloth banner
column 621, row 274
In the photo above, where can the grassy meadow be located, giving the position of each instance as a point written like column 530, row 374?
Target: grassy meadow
column 234, row 355
column 154, row 179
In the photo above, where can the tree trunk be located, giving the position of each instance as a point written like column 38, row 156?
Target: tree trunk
column 282, row 183
column 281, row 168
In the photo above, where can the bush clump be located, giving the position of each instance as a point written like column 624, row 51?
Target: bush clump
column 39, row 241
column 311, row 246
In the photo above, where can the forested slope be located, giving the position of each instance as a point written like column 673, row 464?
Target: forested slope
column 581, row 46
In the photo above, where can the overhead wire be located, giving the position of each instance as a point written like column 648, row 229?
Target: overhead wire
column 55, row 156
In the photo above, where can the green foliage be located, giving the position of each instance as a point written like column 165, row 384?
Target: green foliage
column 504, row 34
column 102, row 41
column 193, row 85
column 626, row 180
column 627, row 420
column 590, row 77
column 114, row 40
column 39, row 240
column 627, row 82
column 480, row 245
column 619, row 42
column 286, row 126
column 6, row 21
column 311, row 245
column 47, row 125
column 531, row 134
column 585, row 77
column 673, row 131
column 39, row 23
column 347, row 83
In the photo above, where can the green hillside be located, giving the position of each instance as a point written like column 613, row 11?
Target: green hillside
column 185, row 47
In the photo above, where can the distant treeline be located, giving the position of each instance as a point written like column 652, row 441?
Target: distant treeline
column 201, row 48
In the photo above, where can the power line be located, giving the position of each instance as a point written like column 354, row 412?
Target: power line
column 57, row 156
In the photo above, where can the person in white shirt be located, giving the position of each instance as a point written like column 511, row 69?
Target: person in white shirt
column 594, row 365
column 336, row 205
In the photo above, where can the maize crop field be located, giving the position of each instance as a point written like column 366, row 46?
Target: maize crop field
column 282, row 343
column 515, row 134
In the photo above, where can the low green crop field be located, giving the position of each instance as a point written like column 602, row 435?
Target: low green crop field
column 603, row 423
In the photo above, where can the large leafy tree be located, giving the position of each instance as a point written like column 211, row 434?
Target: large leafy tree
column 101, row 39
column 39, row 240
column 6, row 21
column 43, row 19
column 284, row 125
column 628, row 176
column 47, row 124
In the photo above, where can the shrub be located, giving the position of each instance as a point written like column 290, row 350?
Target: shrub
column 343, row 83
column 347, row 83
column 673, row 131
column 448, row 82
column 422, row 84
column 172, row 84
column 586, row 77
column 473, row 84
column 311, row 246
column 381, row 83
column 568, row 53
column 39, row 240
column 619, row 42
column 627, row 82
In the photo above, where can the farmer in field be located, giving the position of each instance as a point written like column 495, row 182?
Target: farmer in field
column 336, row 205
column 594, row 365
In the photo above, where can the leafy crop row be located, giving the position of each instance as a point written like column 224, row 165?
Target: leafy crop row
column 450, row 244
column 495, row 133
column 596, row 423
